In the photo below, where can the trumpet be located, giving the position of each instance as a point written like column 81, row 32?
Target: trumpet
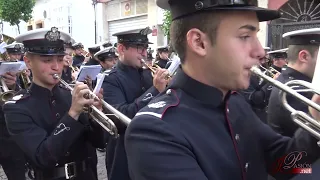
column 25, row 79
column 301, row 118
column 102, row 119
column 154, row 69
column 85, row 53
column 5, row 93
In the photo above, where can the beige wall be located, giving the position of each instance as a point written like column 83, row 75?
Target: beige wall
column 262, row 35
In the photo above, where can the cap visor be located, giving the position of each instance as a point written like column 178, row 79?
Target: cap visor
column 58, row 54
column 262, row 13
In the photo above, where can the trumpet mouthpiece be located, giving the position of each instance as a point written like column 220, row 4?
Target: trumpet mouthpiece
column 56, row 76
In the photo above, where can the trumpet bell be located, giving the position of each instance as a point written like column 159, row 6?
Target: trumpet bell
column 6, row 96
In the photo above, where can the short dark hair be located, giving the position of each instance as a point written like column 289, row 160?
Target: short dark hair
column 294, row 50
column 207, row 22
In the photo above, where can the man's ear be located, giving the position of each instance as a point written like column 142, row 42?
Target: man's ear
column 304, row 56
column 28, row 62
column 197, row 42
column 121, row 48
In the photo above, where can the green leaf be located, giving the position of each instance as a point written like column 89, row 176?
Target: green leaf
column 15, row 11
column 166, row 23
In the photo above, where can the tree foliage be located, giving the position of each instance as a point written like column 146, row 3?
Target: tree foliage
column 13, row 11
column 167, row 23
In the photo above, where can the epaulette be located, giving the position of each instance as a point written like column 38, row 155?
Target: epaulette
column 20, row 95
column 159, row 106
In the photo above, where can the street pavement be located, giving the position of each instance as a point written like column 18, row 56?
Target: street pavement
column 102, row 173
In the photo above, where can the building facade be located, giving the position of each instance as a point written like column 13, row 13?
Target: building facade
column 120, row 15
column 296, row 15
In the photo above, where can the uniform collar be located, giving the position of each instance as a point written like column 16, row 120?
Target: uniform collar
column 43, row 92
column 199, row 91
column 294, row 74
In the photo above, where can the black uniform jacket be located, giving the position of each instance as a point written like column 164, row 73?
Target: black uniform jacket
column 67, row 75
column 279, row 118
column 190, row 132
column 128, row 90
column 161, row 62
column 39, row 123
column 78, row 60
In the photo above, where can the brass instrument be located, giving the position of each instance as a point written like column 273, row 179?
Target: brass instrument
column 154, row 69
column 102, row 119
column 5, row 93
column 270, row 71
column 25, row 79
column 8, row 40
column 301, row 118
column 85, row 53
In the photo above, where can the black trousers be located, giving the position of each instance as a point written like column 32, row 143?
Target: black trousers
column 13, row 167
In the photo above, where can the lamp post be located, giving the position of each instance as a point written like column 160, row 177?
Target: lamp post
column 94, row 3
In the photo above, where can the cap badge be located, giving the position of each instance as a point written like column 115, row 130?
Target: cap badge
column 53, row 35
column 198, row 5
column 145, row 31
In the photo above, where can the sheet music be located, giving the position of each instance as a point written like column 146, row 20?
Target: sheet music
column 100, row 78
column 174, row 65
column 316, row 76
column 13, row 67
column 23, row 65
column 2, row 49
column 91, row 71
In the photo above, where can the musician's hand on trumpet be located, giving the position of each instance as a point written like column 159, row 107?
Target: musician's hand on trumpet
column 159, row 80
column 79, row 100
column 10, row 79
column 275, row 76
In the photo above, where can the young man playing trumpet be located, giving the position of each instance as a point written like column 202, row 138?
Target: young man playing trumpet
column 48, row 122
column 128, row 90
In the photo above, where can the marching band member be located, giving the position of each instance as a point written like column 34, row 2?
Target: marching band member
column 68, row 73
column 302, row 58
column 14, row 51
column 279, row 59
column 78, row 58
column 11, row 156
column 93, row 60
column 258, row 92
column 47, row 121
column 126, row 88
column 162, row 56
column 107, row 58
column 199, row 129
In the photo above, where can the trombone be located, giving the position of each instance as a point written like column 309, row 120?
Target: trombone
column 102, row 119
column 301, row 118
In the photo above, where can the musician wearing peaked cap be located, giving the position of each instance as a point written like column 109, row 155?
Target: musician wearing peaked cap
column 279, row 59
column 107, row 57
column 11, row 156
column 302, row 57
column 198, row 128
column 162, row 57
column 46, row 121
column 128, row 89
column 92, row 59
column 14, row 51
column 78, row 58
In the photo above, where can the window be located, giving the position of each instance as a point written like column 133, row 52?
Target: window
column 126, row 8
